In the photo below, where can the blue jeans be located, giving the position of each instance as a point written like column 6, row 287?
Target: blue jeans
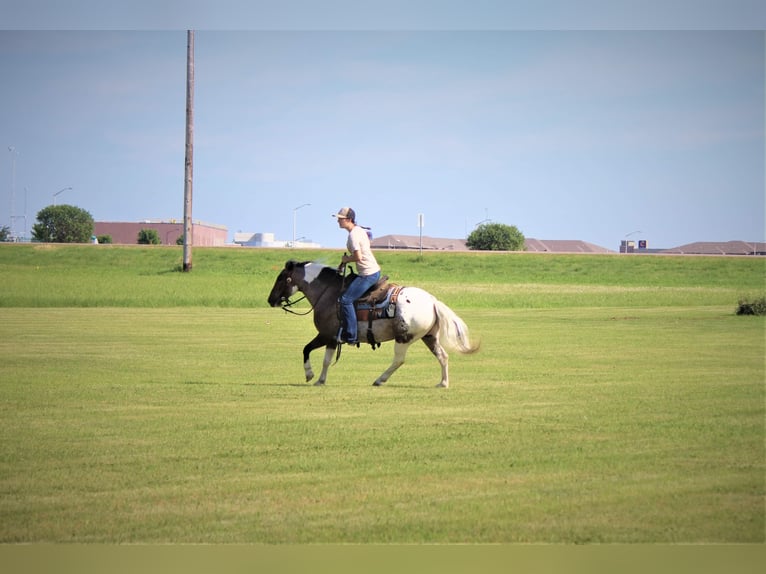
column 348, row 315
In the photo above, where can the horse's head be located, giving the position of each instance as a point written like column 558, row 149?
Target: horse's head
column 286, row 284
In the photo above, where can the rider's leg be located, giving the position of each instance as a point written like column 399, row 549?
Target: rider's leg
column 348, row 315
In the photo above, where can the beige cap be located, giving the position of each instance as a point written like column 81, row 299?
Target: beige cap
column 345, row 213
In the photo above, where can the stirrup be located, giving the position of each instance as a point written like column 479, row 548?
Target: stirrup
column 340, row 340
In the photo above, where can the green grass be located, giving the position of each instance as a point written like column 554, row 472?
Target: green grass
column 167, row 407
column 117, row 276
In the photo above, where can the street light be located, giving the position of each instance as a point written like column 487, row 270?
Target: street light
column 24, row 217
column 58, row 192
column 295, row 217
column 14, row 155
column 167, row 235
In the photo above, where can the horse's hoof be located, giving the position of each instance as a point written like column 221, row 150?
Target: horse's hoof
column 378, row 383
column 442, row 385
column 319, row 384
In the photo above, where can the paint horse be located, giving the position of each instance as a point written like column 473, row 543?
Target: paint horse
column 410, row 315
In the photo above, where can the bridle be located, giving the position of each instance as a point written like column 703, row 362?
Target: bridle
column 286, row 303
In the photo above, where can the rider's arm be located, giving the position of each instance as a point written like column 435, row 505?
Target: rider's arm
column 355, row 257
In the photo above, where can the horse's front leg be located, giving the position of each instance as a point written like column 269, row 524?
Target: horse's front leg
column 315, row 343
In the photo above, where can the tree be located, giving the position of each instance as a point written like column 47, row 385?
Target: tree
column 63, row 224
column 496, row 237
column 5, row 232
column 149, row 237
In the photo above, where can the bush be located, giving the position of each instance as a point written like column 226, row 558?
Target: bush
column 104, row 239
column 755, row 307
column 496, row 237
column 149, row 237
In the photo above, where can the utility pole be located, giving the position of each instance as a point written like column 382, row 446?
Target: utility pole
column 189, row 171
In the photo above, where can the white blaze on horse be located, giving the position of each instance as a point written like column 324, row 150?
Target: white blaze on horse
column 403, row 314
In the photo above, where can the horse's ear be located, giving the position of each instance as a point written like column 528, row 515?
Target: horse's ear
column 290, row 265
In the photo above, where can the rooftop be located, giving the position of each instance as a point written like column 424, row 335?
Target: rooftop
column 439, row 244
column 571, row 246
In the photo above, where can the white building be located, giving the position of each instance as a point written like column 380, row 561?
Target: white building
column 247, row 239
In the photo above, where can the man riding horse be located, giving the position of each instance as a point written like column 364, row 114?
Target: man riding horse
column 367, row 268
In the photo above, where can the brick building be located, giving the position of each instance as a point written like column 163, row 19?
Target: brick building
column 126, row 233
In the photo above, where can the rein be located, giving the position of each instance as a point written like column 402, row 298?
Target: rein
column 286, row 303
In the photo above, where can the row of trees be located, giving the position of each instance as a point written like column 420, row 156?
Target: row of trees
column 70, row 224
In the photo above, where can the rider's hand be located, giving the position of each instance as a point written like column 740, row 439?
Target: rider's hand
column 343, row 263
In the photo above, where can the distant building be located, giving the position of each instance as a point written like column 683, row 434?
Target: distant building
column 719, row 248
column 126, row 233
column 531, row 245
column 563, row 246
column 267, row 240
column 413, row 242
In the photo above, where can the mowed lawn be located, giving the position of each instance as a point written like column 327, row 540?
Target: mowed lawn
column 599, row 410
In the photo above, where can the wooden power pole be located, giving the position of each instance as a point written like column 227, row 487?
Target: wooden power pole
column 189, row 171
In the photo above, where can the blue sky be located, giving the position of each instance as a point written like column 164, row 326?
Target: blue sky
column 567, row 134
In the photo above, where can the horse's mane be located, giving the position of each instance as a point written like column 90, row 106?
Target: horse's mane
column 329, row 274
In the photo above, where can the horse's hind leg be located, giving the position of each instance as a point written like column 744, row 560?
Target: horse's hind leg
column 328, row 355
column 400, row 351
column 432, row 342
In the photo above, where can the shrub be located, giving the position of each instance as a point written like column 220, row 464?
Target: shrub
column 148, row 237
column 104, row 239
column 496, row 237
column 755, row 306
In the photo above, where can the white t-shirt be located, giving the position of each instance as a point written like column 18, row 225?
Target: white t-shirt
column 358, row 241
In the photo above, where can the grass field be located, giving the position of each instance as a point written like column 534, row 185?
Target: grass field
column 615, row 399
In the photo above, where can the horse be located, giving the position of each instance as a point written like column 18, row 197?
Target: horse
column 415, row 315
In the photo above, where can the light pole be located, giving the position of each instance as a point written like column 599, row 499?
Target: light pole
column 167, row 234
column 295, row 219
column 24, row 217
column 14, row 155
column 25, row 212
column 59, row 192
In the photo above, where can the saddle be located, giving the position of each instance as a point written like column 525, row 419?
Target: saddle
column 378, row 302
column 374, row 293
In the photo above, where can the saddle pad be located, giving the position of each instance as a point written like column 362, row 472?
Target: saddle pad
column 385, row 309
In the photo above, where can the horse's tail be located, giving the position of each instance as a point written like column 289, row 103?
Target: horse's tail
column 453, row 332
